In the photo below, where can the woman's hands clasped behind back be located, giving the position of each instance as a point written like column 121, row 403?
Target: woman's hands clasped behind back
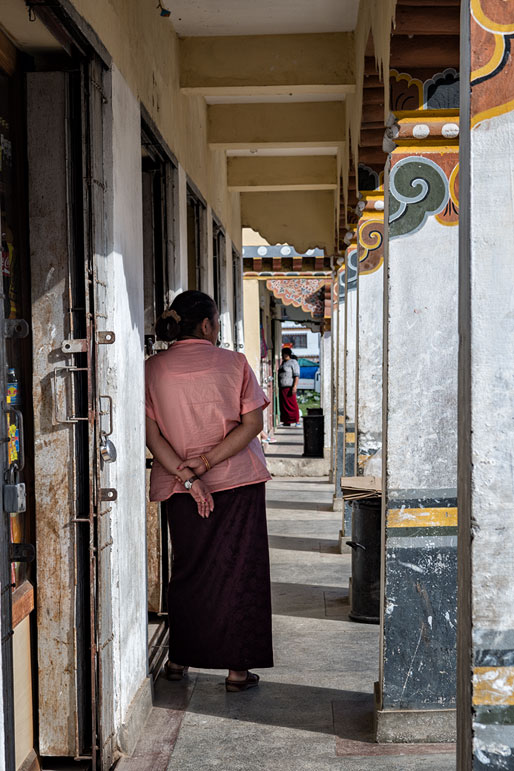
column 202, row 497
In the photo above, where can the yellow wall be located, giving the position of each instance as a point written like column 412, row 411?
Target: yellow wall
column 251, row 307
column 145, row 49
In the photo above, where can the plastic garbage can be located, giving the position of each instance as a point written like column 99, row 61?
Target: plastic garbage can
column 366, row 547
column 313, row 436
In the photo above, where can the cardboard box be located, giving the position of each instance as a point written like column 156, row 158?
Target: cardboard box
column 361, row 487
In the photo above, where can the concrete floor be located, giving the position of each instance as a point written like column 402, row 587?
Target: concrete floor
column 313, row 711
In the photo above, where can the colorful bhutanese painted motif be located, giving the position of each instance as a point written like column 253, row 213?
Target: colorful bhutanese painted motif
column 307, row 294
column 492, row 34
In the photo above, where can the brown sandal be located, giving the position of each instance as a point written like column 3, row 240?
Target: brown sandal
column 234, row 686
column 174, row 673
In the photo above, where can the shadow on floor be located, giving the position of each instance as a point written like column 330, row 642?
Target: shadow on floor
column 325, row 546
column 303, row 707
column 279, row 503
column 348, row 715
column 309, row 601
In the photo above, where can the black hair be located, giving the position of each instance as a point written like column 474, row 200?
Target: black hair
column 191, row 308
column 288, row 351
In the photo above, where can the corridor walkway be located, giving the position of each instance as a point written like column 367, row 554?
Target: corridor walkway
column 314, row 709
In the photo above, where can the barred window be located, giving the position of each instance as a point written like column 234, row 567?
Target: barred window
column 295, row 341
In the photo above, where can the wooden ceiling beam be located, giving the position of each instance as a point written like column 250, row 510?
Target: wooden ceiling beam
column 427, row 20
column 372, row 137
column 373, row 113
column 420, row 3
column 372, row 81
column 420, row 51
column 372, row 156
column 374, row 95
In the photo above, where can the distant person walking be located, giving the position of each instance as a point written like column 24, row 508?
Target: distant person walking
column 288, row 377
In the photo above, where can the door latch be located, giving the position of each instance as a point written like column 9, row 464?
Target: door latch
column 14, row 497
column 22, row 552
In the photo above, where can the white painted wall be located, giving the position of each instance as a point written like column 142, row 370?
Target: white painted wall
column 326, row 387
column 180, row 224
column 422, row 355
column 341, row 338
column 350, row 372
column 228, row 297
column 122, row 377
column 369, row 369
column 486, row 482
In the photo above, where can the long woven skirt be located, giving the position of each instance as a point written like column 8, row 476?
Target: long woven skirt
column 289, row 411
column 219, row 598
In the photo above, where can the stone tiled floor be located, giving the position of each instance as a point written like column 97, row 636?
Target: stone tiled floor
column 314, row 709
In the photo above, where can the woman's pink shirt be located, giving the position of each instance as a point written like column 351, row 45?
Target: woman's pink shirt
column 197, row 393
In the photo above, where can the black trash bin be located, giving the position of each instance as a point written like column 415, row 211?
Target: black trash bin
column 313, row 436
column 314, row 410
column 366, row 546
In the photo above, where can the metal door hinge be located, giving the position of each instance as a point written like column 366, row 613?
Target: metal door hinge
column 108, row 494
column 22, row 552
column 15, row 328
column 74, row 346
column 105, row 338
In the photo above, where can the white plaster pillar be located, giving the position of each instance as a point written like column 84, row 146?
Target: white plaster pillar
column 207, row 256
column 350, row 372
column 180, row 224
column 227, row 293
column 339, row 417
column 326, row 388
column 417, row 668
column 370, row 235
column 121, row 376
column 486, row 390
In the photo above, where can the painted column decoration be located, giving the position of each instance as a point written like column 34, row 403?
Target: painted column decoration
column 350, row 372
column 418, row 652
column 486, row 390
column 370, row 245
column 339, row 413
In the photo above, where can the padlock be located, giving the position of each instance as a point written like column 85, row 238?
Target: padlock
column 14, row 495
column 107, row 450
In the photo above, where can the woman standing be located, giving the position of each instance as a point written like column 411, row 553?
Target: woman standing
column 204, row 414
column 288, row 376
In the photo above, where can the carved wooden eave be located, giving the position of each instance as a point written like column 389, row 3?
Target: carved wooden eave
column 270, row 260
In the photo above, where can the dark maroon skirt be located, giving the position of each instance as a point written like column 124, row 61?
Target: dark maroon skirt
column 289, row 412
column 219, row 598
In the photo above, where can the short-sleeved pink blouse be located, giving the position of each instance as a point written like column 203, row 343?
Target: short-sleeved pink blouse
column 197, row 393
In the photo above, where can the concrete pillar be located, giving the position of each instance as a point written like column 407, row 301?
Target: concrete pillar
column 416, row 692
column 227, row 296
column 339, row 412
column 207, row 256
column 325, row 361
column 486, row 390
column 252, row 324
column 180, row 202
column 350, row 373
column 370, row 245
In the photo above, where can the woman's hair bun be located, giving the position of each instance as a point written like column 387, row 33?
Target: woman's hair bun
column 167, row 329
column 187, row 311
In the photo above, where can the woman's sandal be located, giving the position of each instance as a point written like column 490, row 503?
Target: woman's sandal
column 234, row 686
column 174, row 673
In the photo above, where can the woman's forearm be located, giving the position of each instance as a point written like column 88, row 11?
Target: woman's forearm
column 239, row 438
column 164, row 453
